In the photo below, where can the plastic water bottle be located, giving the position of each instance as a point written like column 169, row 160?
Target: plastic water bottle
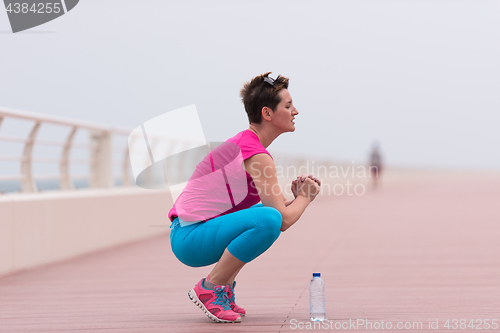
column 317, row 298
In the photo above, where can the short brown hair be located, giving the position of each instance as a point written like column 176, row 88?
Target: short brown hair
column 262, row 91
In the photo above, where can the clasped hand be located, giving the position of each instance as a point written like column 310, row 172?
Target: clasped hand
column 307, row 186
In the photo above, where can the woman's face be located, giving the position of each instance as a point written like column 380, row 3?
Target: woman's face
column 285, row 112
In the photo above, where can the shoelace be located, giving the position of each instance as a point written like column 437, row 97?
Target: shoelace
column 222, row 299
column 232, row 299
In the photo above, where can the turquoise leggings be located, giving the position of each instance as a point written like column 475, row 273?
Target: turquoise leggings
column 246, row 234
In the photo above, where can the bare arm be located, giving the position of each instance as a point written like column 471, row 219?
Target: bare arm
column 263, row 172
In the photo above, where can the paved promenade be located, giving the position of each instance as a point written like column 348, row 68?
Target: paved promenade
column 409, row 252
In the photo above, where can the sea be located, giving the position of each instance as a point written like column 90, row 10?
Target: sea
column 12, row 186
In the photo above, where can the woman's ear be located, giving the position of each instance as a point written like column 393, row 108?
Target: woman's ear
column 266, row 113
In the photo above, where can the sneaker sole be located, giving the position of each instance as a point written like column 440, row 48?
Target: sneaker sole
column 196, row 301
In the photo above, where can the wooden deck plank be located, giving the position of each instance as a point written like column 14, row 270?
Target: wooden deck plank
column 408, row 252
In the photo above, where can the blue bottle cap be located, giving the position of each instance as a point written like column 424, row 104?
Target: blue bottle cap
column 316, row 274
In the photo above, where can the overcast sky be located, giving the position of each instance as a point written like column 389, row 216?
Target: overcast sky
column 421, row 77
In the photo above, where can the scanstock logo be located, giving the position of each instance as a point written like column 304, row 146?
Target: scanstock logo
column 205, row 179
column 26, row 14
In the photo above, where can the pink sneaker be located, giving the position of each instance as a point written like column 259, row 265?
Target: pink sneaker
column 215, row 303
column 239, row 310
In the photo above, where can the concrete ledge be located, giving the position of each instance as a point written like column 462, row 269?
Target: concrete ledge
column 41, row 228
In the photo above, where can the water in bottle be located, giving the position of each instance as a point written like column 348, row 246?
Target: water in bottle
column 317, row 298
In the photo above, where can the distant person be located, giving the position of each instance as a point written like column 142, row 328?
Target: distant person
column 237, row 236
column 375, row 166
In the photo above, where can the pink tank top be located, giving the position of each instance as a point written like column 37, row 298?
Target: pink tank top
column 220, row 185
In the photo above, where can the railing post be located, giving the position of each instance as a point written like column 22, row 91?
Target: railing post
column 64, row 178
column 27, row 181
column 101, row 174
column 126, row 164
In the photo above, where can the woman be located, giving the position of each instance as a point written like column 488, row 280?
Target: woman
column 238, row 235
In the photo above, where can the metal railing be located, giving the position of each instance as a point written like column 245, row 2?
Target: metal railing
column 99, row 145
